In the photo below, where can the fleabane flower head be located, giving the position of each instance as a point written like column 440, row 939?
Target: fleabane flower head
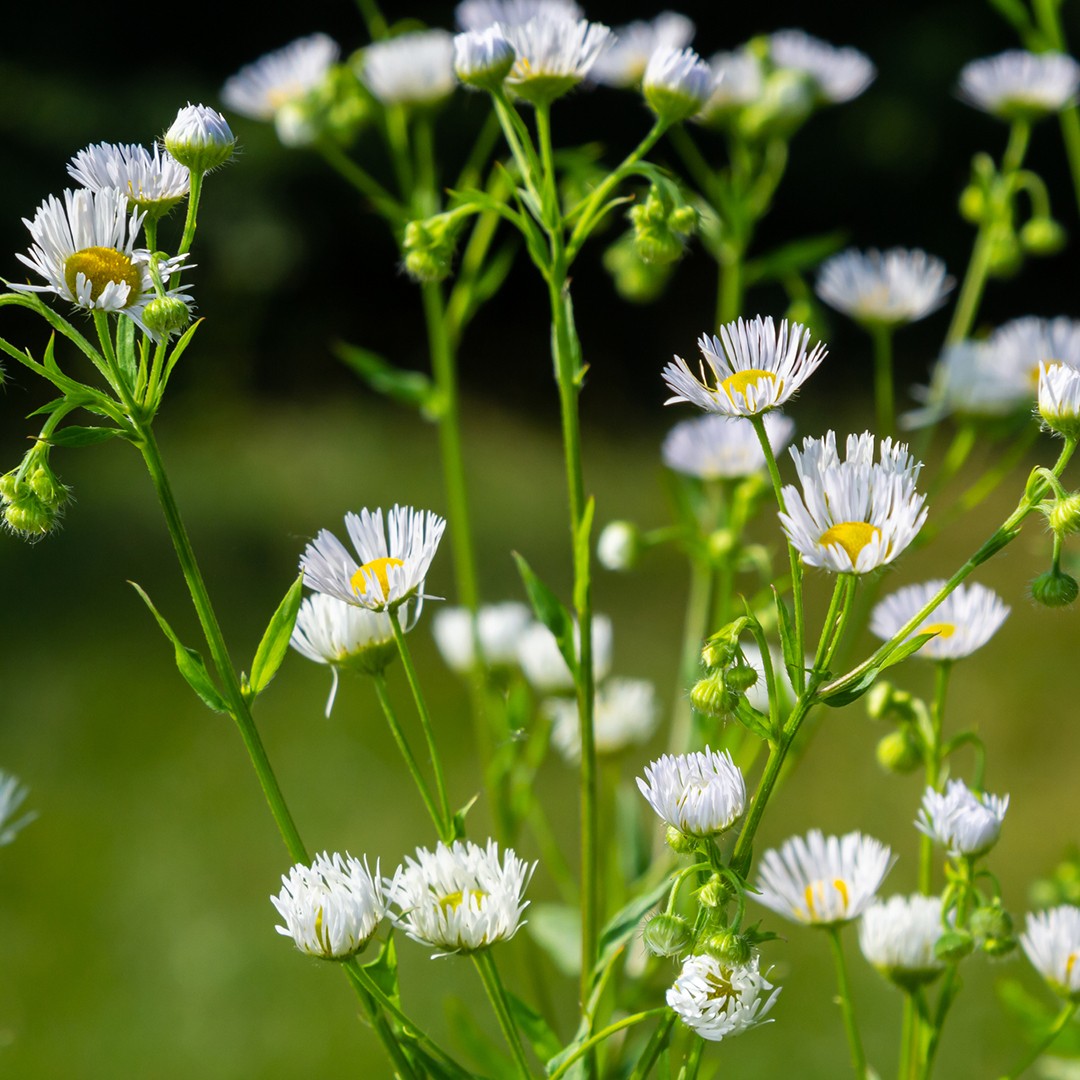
column 755, row 367
column 626, row 712
column 498, row 626
column 1059, row 399
column 623, row 64
column 553, row 53
column 838, row 74
column 544, row 666
column 412, row 69
column 1022, row 346
column 897, row 936
column 884, row 289
column 855, row 515
column 390, row 564
column 154, row 182
column 280, row 78
column 12, row 795
column 738, row 80
column 331, row 908
column 964, row 621
column 717, row 1000
column 480, row 14
column 723, row 447
column 823, row 880
column 1051, row 940
column 700, row 794
column 460, row 898
column 200, row 138
column 965, row 824
column 483, row 58
column 1019, row 85
column 84, row 248
column 677, row 83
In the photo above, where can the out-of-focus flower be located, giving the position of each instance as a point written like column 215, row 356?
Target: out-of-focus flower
column 412, row 69
column 543, row 664
column 677, row 83
column 553, row 55
column 964, row 823
column 483, row 58
column 838, row 73
column 1051, row 940
column 499, row 627
column 153, row 182
column 480, row 14
column 12, row 795
column 1019, row 85
column 625, row 712
column 624, row 63
column 723, row 447
column 898, row 936
column 260, row 89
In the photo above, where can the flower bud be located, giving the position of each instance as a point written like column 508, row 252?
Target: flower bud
column 992, row 927
column 1042, row 236
column 1054, row 588
column 886, row 702
column 1004, row 254
column 973, row 204
column 954, row 945
column 721, row 543
column 666, row 935
column 711, row 697
column 483, row 58
column 714, row 893
column 679, row 842
column 661, row 225
column 898, row 752
column 166, row 315
column 33, row 502
column 1064, row 515
column 729, row 948
column 429, row 248
column 619, row 545
column 635, row 280
column 200, row 138
column 741, row 677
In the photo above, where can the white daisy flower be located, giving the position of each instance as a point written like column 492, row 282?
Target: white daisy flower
column 755, row 367
column 280, row 78
column 700, row 794
column 1026, row 343
column 964, row 621
column 964, row 823
column 624, row 63
column 890, row 288
column 412, row 69
column 200, row 138
column 84, row 247
column 332, row 908
column 392, row 565
column 543, row 665
column 553, row 54
column 723, row 447
column 1020, row 85
column 1059, row 398
column 738, row 80
column 897, row 936
column 1051, row 940
column 823, row 880
column 499, row 627
column 460, row 898
column 677, row 83
column 12, row 795
column 483, row 58
column 839, row 74
column 625, row 712
column 480, row 14
column 153, row 181
column 855, row 515
column 718, row 1001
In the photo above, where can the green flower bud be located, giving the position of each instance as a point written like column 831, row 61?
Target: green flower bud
column 714, row 893
column 721, row 543
column 30, row 518
column 666, row 935
column 711, row 697
column 661, row 225
column 429, row 248
column 166, row 315
column 635, row 280
column 954, row 945
column 741, row 677
column 973, row 204
column 886, row 702
column 619, row 546
column 1064, row 515
column 728, row 947
column 898, row 752
column 991, row 921
column 1042, row 236
column 1054, row 588
column 34, row 502
column 679, row 842
column 1004, row 252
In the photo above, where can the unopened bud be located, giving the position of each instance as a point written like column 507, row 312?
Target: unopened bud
column 741, row 677
column 200, row 138
column 711, row 697
column 166, row 315
column 666, row 935
column 1064, row 516
column 954, row 945
column 991, row 922
column 973, row 204
column 1042, row 236
column 714, row 893
column 635, row 280
column 898, row 752
column 1054, row 588
column 721, row 543
column 1004, row 254
column 429, row 248
column 886, row 702
column 679, row 842
column 661, row 225
column 729, row 948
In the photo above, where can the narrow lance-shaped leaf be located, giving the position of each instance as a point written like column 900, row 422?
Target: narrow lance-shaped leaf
column 582, row 552
column 275, row 642
column 405, row 387
column 82, row 436
column 550, row 610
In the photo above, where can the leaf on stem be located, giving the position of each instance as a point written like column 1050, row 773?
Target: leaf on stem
column 551, row 611
column 82, row 436
column 178, row 350
column 126, row 361
column 411, row 388
column 275, row 642
column 786, row 628
column 534, row 1027
column 849, row 690
column 383, row 970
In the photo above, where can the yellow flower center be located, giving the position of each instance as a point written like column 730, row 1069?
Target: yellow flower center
column 942, row 629
column 1033, row 375
column 452, row 901
column 374, row 570
column 737, row 383
column 102, row 266
column 720, row 987
column 1070, row 963
column 816, row 891
column 852, row 536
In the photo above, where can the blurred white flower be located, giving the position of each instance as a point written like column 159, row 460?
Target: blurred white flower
column 624, row 62
column 1020, row 85
column 1051, row 940
column 964, row 823
column 553, row 54
column 1059, row 398
column 499, row 626
column 258, row 90
column 480, row 14
column 677, row 83
column 412, row 69
column 543, row 664
column 12, row 796
column 483, row 58
column 838, row 74
column 625, row 712
column 723, row 447
column 897, row 936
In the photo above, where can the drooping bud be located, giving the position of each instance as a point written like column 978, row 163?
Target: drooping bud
column 32, row 497
column 711, row 697
column 741, row 677
column 662, row 221
column 954, row 945
column 714, row 893
column 666, row 935
column 1055, row 588
column 200, row 138
column 898, row 752
column 635, row 280
column 1064, row 515
column 1042, row 236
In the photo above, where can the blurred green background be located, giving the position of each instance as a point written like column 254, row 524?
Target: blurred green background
column 136, row 936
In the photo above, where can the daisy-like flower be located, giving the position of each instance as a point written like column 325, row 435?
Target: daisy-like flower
column 626, row 712
column 200, row 138
column 965, row 824
column 1019, row 85
column 718, row 1001
column 483, row 58
column 480, row 14
column 700, row 794
column 624, row 63
column 12, row 796
column 345, row 636
column 553, row 54
column 499, row 627
column 838, row 74
column 1023, row 345
column 280, row 78
column 460, row 898
column 392, row 564
column 755, row 367
column 723, row 447
column 897, row 936
column 855, row 515
column 823, row 880
column 677, row 83
column 884, row 289
column 964, row 621
column 332, row 907
column 413, row 69
column 1051, row 940
column 84, row 247
column 738, row 79
column 1059, row 398
column 543, row 665
column 153, row 181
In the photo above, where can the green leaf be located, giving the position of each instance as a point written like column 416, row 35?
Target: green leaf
column 188, row 662
column 459, row 818
column 178, row 350
column 755, row 722
column 852, row 689
column 794, row 257
column 534, row 1027
column 275, row 642
column 786, row 628
column 582, row 552
column 550, row 610
column 405, row 387
column 383, row 970
column 556, row 928
column 83, row 436
column 475, row 1040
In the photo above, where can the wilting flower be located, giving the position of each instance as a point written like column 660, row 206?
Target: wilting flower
column 1051, row 940
column 1059, row 398
column 12, row 795
column 823, row 880
column 283, row 77
column 480, row 14
column 331, row 908
column 855, row 515
column 412, row 69
column 754, row 366
column 964, row 621
column 898, row 936
column 700, row 794
column 153, row 181
column 723, row 447
column 964, row 823
column 718, row 1000
column 838, row 74
column 625, row 712
column 499, row 627
column 1018, row 85
column 460, row 898
column 544, row 666
column 553, row 54
column 624, row 62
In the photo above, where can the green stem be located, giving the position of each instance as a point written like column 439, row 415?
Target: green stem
column 447, row 828
column 908, row 1035
column 606, row 1033
column 373, row 18
column 194, row 195
column 883, row 379
column 933, row 769
column 1069, row 119
column 1068, row 1010
column 729, row 287
column 653, row 1048
column 847, row 1006
column 496, row 992
column 693, row 1060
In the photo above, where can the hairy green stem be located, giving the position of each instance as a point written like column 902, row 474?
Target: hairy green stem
column 933, row 769
column 194, row 195
column 847, row 1005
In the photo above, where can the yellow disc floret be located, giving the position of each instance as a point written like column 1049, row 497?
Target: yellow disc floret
column 741, row 380
column 852, row 536
column 377, row 569
column 102, row 266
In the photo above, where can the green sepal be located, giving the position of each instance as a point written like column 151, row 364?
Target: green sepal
column 188, row 662
column 551, row 611
column 534, row 1027
column 275, row 642
column 412, row 388
column 458, row 819
column 849, row 690
column 582, row 553
column 556, row 928
column 794, row 257
column 83, row 436
column 383, row 970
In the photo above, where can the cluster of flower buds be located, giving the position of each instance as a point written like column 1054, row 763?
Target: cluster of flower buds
column 662, row 222
column 901, row 751
column 428, row 247
column 32, row 497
